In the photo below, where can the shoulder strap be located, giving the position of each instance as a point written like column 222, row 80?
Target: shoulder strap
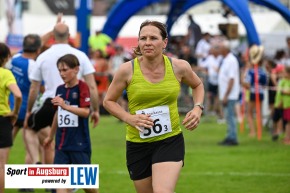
column 170, row 59
column 132, row 61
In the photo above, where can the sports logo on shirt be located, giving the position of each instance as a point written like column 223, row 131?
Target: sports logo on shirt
column 74, row 95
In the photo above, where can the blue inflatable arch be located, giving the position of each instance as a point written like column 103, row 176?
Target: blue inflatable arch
column 124, row 9
column 275, row 5
column 120, row 13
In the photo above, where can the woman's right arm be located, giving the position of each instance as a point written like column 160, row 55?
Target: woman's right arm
column 120, row 82
column 115, row 90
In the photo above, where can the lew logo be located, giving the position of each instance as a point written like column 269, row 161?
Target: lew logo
column 83, row 175
column 52, row 176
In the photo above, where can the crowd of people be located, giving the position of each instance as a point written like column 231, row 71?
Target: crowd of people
column 50, row 79
column 238, row 82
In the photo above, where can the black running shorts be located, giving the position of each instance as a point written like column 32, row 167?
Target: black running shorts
column 141, row 156
column 43, row 117
column 5, row 132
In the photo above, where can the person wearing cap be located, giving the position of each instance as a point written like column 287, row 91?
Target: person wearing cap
column 255, row 54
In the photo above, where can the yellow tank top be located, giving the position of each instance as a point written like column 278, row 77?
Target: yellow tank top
column 143, row 94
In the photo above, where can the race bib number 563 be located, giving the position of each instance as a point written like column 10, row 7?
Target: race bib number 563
column 162, row 123
column 66, row 118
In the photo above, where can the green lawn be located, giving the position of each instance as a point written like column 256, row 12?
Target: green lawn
column 252, row 167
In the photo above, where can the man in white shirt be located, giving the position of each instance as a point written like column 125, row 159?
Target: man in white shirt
column 212, row 64
column 202, row 49
column 229, row 89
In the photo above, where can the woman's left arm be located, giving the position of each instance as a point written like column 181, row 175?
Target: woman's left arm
column 185, row 74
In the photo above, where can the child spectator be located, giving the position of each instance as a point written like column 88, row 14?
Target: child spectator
column 283, row 98
column 276, row 113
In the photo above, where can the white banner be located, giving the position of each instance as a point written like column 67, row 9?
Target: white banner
column 14, row 13
column 51, row 176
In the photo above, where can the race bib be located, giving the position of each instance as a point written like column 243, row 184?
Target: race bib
column 66, row 118
column 162, row 123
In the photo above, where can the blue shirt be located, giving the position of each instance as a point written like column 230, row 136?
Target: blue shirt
column 262, row 79
column 20, row 67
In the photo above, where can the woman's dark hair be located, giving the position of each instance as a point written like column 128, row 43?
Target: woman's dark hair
column 162, row 28
column 4, row 53
column 279, row 54
column 271, row 62
column 70, row 60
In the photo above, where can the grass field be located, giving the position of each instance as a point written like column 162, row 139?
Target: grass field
column 252, row 167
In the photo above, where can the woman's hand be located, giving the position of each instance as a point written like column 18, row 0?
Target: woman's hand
column 192, row 119
column 139, row 121
column 13, row 117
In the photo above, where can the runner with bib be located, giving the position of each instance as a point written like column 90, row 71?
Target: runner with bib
column 154, row 140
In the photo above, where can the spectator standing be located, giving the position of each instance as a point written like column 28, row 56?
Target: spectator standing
column 202, row 49
column 229, row 90
column 201, row 53
column 280, row 57
column 101, row 66
column 7, row 117
column 194, row 33
column 256, row 53
column 99, row 41
column 212, row 64
column 155, row 144
column 116, row 60
column 276, row 112
column 283, row 98
column 287, row 50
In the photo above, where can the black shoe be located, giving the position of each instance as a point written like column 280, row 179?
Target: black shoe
column 223, row 142
column 50, row 190
column 26, row 190
column 228, row 142
column 275, row 137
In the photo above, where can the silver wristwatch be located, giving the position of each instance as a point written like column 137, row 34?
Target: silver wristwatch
column 201, row 106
